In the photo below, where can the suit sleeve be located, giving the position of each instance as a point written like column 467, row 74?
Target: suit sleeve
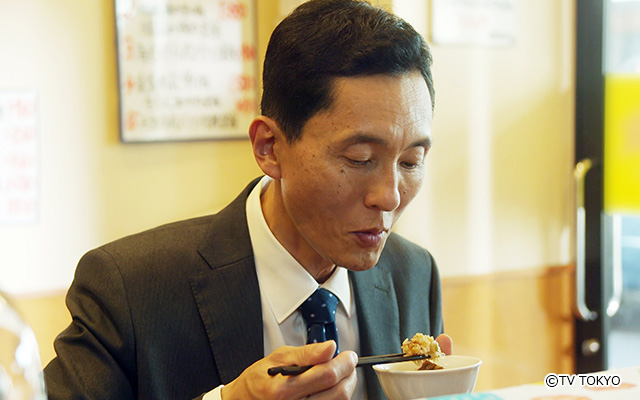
column 96, row 354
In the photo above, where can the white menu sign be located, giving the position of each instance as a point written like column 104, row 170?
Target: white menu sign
column 482, row 22
column 187, row 69
column 19, row 163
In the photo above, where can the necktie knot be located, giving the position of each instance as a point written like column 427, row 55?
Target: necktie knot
column 319, row 313
column 320, row 307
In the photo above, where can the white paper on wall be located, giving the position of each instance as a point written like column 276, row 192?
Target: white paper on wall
column 19, row 160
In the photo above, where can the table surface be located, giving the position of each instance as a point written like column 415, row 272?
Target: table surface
column 615, row 384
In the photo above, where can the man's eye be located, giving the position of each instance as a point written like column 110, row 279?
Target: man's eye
column 410, row 165
column 358, row 162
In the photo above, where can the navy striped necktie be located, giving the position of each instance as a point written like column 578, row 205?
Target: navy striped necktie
column 319, row 313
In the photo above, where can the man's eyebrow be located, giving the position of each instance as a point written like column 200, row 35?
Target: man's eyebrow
column 426, row 143
column 366, row 138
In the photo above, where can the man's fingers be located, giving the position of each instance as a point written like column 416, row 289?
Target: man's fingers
column 316, row 353
column 310, row 354
column 446, row 343
column 330, row 375
column 332, row 378
column 343, row 390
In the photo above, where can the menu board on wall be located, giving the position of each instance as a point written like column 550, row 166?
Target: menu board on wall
column 475, row 22
column 19, row 162
column 187, row 69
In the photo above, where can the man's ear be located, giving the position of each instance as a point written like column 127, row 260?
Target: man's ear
column 265, row 134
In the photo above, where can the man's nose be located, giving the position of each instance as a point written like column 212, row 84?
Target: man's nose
column 384, row 191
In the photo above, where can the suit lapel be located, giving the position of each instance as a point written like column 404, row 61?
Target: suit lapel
column 228, row 295
column 378, row 319
column 230, row 308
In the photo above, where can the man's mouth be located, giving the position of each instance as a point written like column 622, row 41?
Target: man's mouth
column 371, row 237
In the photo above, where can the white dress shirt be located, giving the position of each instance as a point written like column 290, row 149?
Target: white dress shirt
column 285, row 284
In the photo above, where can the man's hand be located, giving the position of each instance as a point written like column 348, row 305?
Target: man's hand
column 446, row 344
column 329, row 378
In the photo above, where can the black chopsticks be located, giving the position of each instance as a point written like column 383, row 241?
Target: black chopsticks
column 388, row 358
column 371, row 360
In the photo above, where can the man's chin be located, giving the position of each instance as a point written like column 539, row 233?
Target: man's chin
column 361, row 264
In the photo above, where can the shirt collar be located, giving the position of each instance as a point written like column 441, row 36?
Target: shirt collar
column 283, row 280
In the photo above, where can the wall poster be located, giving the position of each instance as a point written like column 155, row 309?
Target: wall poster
column 187, row 69
column 474, row 22
column 19, row 157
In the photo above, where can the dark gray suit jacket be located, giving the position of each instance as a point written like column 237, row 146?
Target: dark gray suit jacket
column 173, row 312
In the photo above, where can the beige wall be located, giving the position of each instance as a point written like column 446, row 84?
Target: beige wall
column 496, row 209
column 497, row 195
column 93, row 188
column 518, row 322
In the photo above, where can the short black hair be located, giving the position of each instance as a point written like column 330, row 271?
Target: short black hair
column 325, row 39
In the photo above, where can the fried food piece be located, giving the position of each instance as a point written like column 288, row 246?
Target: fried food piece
column 428, row 365
column 421, row 344
column 426, row 345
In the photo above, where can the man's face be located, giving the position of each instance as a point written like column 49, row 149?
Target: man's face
column 357, row 165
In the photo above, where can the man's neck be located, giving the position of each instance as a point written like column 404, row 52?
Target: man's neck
column 286, row 232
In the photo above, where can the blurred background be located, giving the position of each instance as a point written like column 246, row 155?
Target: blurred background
column 531, row 201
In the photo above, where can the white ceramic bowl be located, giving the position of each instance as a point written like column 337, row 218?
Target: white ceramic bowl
column 403, row 381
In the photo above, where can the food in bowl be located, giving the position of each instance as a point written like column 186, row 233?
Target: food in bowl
column 450, row 374
column 421, row 344
column 428, row 365
column 402, row 380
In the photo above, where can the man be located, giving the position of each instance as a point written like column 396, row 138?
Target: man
column 205, row 307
